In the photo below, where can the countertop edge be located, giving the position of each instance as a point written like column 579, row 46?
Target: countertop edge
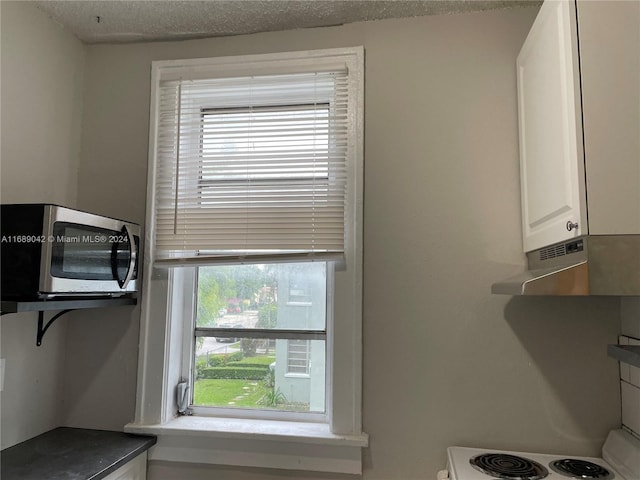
column 126, row 459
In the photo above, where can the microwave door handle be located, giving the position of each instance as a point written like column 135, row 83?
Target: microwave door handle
column 133, row 254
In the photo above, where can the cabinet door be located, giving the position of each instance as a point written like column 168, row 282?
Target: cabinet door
column 550, row 120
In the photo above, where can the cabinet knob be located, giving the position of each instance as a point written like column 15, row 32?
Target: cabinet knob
column 571, row 225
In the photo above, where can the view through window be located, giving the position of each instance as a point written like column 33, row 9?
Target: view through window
column 260, row 336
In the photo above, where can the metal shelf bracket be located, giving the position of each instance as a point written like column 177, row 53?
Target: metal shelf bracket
column 42, row 328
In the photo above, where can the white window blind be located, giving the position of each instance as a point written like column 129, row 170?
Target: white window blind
column 251, row 168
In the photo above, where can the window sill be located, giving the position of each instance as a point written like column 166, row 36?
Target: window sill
column 255, row 443
column 297, row 375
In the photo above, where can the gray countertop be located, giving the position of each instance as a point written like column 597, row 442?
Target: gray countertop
column 71, row 454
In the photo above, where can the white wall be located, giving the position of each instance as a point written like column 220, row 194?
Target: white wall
column 42, row 69
column 442, row 222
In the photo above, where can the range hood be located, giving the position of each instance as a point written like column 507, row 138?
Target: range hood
column 590, row 265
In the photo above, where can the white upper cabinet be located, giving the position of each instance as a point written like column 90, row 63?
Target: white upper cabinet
column 579, row 70
column 549, row 113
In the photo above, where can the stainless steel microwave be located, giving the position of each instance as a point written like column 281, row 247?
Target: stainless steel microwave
column 49, row 251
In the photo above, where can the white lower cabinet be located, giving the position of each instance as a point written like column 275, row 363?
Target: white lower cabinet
column 136, row 469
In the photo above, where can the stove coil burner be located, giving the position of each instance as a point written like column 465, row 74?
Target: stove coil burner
column 580, row 469
column 511, row 467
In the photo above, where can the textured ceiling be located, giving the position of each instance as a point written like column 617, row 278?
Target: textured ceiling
column 110, row 21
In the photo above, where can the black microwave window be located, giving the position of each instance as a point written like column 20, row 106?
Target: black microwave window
column 89, row 253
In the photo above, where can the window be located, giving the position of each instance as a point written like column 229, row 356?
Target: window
column 298, row 356
column 249, row 340
column 253, row 269
column 264, row 133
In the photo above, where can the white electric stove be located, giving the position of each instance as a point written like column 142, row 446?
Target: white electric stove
column 620, row 460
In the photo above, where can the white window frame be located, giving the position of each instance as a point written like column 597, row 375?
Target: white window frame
column 331, row 446
column 190, row 288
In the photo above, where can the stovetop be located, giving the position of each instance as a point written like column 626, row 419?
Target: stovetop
column 621, row 461
column 478, row 464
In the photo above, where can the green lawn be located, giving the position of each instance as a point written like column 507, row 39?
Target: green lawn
column 228, row 393
column 233, row 393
